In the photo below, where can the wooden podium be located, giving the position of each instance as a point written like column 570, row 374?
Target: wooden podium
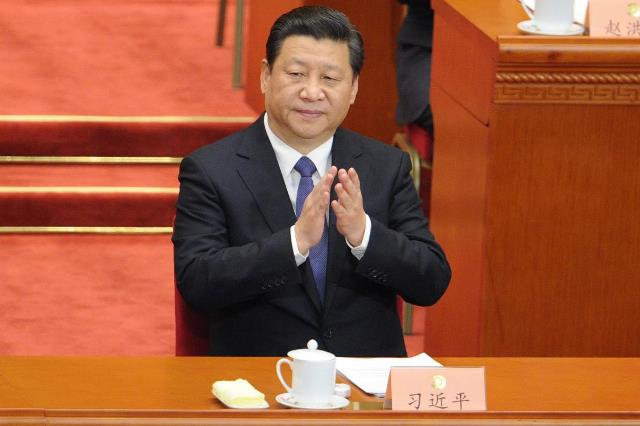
column 176, row 391
column 536, row 187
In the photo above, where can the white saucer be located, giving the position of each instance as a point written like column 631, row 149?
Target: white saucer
column 335, row 403
column 530, row 28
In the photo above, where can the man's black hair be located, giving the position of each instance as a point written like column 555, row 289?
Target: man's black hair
column 319, row 22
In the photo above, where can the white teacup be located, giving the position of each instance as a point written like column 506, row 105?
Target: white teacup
column 313, row 375
column 551, row 16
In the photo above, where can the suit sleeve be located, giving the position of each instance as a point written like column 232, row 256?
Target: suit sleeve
column 403, row 254
column 211, row 273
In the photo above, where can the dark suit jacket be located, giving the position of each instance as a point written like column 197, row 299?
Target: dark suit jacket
column 413, row 64
column 233, row 255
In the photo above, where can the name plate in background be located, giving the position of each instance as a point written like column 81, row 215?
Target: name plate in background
column 436, row 389
column 614, row 18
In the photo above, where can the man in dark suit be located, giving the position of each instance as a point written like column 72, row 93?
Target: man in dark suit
column 413, row 65
column 296, row 229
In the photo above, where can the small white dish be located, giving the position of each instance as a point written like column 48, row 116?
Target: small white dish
column 265, row 404
column 529, row 28
column 336, row 402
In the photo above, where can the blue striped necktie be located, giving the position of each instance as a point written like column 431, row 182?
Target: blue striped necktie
column 318, row 253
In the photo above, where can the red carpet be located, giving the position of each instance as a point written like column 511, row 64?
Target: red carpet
column 86, row 294
column 101, row 294
column 116, row 57
column 151, row 175
column 108, row 136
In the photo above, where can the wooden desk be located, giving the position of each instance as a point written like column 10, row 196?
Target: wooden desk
column 536, row 187
column 176, row 391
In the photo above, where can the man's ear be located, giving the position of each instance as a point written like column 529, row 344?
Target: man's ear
column 354, row 90
column 265, row 74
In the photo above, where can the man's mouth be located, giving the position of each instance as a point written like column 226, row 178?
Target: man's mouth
column 309, row 113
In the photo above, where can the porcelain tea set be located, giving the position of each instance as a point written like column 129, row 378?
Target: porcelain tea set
column 550, row 17
column 313, row 383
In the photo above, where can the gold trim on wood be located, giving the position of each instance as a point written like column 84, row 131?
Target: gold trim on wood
column 619, row 88
column 567, row 94
column 566, row 78
column 124, row 119
column 27, row 159
column 86, row 190
column 86, row 230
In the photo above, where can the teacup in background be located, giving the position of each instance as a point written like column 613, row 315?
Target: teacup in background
column 551, row 16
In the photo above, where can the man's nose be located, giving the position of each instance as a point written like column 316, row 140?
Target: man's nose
column 312, row 90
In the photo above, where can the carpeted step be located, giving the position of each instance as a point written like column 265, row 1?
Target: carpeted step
column 112, row 136
column 158, row 175
column 82, row 206
column 86, row 294
column 88, row 195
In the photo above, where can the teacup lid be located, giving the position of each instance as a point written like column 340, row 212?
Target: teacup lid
column 312, row 353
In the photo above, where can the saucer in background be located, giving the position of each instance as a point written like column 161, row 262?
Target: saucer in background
column 529, row 28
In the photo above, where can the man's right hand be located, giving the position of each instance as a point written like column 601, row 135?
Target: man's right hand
column 310, row 224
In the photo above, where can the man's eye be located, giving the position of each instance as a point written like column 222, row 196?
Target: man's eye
column 296, row 74
column 330, row 79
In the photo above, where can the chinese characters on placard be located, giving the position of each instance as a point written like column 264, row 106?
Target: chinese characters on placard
column 617, row 28
column 438, row 400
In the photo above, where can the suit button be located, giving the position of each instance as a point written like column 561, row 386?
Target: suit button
column 328, row 333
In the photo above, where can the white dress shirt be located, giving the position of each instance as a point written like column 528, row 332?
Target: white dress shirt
column 287, row 158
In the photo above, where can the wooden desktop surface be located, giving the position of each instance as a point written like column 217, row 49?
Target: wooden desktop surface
column 168, row 390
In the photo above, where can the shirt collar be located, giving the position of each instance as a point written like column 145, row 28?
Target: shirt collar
column 287, row 157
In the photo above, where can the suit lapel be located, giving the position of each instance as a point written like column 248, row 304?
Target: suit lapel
column 261, row 174
column 345, row 153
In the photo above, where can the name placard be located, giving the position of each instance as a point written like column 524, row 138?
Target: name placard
column 614, row 18
column 436, row 389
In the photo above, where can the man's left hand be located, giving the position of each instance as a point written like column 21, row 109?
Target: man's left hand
column 349, row 210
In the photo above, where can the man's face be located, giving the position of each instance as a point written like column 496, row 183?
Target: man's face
column 308, row 90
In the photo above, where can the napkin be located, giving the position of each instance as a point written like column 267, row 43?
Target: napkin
column 238, row 393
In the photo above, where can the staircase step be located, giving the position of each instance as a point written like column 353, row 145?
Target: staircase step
column 78, row 230
column 161, row 175
column 90, row 206
column 79, row 159
column 88, row 195
column 104, row 136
